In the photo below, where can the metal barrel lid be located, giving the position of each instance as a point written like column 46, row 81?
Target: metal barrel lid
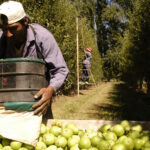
column 36, row 60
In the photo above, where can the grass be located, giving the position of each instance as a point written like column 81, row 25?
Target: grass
column 80, row 107
column 106, row 101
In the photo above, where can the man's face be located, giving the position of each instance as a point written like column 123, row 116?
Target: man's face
column 15, row 32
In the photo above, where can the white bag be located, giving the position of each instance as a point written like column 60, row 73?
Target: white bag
column 21, row 126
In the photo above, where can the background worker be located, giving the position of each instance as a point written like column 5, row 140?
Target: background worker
column 86, row 65
column 18, row 38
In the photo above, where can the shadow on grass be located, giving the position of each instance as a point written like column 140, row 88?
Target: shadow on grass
column 124, row 103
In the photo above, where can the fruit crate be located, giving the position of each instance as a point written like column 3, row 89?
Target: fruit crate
column 95, row 124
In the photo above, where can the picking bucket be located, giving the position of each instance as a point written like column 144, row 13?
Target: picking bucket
column 21, row 79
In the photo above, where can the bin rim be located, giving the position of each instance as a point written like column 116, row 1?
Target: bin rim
column 36, row 60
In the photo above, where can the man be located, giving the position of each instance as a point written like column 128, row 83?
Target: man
column 18, row 38
column 86, row 65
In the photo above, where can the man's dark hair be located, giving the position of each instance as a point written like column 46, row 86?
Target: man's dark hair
column 3, row 17
column 22, row 20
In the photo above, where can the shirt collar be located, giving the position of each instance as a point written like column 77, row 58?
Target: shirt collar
column 30, row 35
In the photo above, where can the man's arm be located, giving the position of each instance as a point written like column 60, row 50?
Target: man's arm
column 57, row 69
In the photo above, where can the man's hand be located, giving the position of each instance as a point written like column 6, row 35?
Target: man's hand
column 42, row 105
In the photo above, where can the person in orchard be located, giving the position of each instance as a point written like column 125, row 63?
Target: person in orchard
column 19, row 38
column 86, row 65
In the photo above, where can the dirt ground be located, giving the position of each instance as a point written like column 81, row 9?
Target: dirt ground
column 106, row 101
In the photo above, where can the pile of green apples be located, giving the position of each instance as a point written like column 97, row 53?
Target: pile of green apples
column 121, row 136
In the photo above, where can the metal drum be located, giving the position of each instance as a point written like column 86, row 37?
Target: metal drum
column 21, row 78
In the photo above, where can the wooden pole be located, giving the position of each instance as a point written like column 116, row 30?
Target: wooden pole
column 77, row 44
